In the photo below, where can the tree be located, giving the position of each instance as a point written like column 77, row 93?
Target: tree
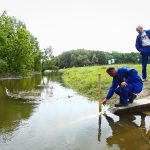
column 17, row 46
column 47, row 55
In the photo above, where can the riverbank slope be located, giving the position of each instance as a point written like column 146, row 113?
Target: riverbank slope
column 85, row 80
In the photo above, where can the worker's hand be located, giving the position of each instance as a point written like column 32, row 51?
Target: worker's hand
column 104, row 101
column 124, row 84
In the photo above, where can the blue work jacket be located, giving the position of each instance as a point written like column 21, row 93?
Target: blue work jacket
column 124, row 74
column 138, row 43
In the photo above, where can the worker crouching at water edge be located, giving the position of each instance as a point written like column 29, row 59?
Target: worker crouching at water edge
column 126, row 83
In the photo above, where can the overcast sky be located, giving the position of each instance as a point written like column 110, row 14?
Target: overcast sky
column 106, row 25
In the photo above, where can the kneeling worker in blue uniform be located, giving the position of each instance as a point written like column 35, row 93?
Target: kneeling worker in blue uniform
column 126, row 83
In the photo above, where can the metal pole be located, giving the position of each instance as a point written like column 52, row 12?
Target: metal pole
column 99, row 91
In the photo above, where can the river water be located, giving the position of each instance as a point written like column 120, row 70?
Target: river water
column 58, row 118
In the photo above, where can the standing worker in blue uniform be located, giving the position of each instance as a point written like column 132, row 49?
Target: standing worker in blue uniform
column 126, row 83
column 143, row 46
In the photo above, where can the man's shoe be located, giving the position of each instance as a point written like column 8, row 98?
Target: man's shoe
column 144, row 80
column 132, row 99
column 120, row 105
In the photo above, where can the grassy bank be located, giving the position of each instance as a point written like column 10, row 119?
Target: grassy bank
column 85, row 79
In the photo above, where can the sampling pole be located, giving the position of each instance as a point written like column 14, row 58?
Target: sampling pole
column 100, row 92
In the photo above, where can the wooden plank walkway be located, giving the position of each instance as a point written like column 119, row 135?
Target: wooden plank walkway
column 137, row 106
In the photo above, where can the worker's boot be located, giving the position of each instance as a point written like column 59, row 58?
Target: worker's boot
column 132, row 99
column 144, row 80
column 120, row 105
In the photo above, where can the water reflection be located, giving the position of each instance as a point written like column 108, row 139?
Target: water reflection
column 126, row 133
column 13, row 111
column 64, row 120
column 54, row 76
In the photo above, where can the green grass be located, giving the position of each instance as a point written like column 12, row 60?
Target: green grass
column 85, row 79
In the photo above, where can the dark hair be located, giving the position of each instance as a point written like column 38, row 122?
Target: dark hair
column 110, row 69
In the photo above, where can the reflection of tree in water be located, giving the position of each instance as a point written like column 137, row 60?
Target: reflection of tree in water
column 12, row 114
column 54, row 76
column 127, row 134
column 12, row 111
column 21, row 84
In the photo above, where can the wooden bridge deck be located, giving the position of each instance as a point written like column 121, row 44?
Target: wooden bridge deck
column 137, row 106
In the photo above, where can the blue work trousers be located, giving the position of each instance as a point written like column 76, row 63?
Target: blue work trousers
column 128, row 92
column 145, row 54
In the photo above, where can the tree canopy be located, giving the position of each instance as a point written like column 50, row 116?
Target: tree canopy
column 19, row 49
column 82, row 57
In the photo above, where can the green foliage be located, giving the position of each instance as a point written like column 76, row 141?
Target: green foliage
column 121, row 58
column 47, row 60
column 82, row 57
column 3, row 67
column 38, row 55
column 50, row 65
column 18, row 48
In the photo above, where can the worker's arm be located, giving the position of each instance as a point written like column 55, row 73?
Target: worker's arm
column 110, row 92
column 148, row 33
column 138, row 44
column 104, row 101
